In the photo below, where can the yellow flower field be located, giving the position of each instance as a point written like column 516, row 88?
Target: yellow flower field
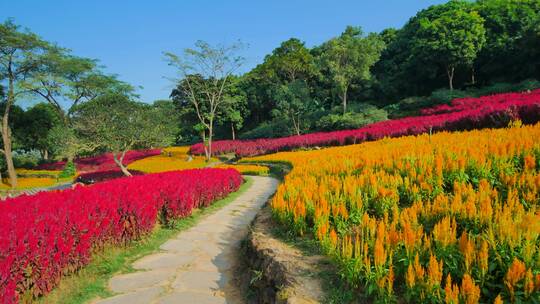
column 248, row 169
column 171, row 159
column 35, row 173
column 30, row 182
column 452, row 217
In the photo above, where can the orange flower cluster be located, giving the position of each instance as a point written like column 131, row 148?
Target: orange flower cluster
column 247, row 169
column 451, row 217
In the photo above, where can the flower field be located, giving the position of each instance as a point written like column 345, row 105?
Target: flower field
column 462, row 114
column 101, row 176
column 51, row 234
column 30, row 182
column 247, row 169
column 101, row 162
column 171, row 159
column 451, row 217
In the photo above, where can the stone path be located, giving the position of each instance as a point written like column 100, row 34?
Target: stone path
column 198, row 265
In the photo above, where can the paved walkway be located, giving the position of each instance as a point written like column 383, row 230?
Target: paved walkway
column 197, row 265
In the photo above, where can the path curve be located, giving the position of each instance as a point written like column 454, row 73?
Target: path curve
column 197, row 266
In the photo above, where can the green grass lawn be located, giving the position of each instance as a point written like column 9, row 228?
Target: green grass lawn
column 91, row 281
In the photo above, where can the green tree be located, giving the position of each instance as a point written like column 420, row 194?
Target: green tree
column 506, row 57
column 191, row 126
column 452, row 38
column 214, row 67
column 66, row 144
column 349, row 58
column 35, row 125
column 65, row 78
column 167, row 117
column 291, row 61
column 235, row 108
column 293, row 103
column 20, row 59
column 115, row 123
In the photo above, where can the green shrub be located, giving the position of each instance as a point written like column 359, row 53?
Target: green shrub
column 407, row 107
column 445, row 96
column 68, row 171
column 26, row 160
column 503, row 87
column 272, row 129
column 496, row 88
column 352, row 120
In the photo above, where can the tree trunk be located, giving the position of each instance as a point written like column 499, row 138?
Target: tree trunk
column 45, row 154
column 473, row 78
column 232, row 130
column 120, row 163
column 6, row 136
column 203, row 133
column 450, row 73
column 6, row 139
column 125, row 170
column 296, row 125
column 210, row 135
column 344, row 100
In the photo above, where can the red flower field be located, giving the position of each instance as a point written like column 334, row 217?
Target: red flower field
column 45, row 236
column 103, row 162
column 462, row 114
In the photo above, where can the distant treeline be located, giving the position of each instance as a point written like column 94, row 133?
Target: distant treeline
column 451, row 50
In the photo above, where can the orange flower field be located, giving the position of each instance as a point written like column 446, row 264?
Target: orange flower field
column 451, row 217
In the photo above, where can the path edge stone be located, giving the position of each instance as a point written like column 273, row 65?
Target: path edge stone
column 275, row 272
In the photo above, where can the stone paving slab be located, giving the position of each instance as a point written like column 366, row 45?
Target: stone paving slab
column 137, row 280
column 196, row 266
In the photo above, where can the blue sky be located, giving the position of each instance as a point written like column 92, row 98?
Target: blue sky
column 129, row 37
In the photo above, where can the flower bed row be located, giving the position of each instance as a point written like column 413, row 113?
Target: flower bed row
column 448, row 218
column 102, row 176
column 463, row 114
column 45, row 236
column 171, row 159
column 101, row 162
column 247, row 169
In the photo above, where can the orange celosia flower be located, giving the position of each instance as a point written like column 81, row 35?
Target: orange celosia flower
column 483, row 257
column 444, row 231
column 529, row 283
column 418, row 269
column 529, row 162
column 379, row 253
column 410, row 278
column 469, row 290
column 435, row 271
column 466, row 246
column 451, row 291
column 516, row 272
column 333, row 237
column 498, row 300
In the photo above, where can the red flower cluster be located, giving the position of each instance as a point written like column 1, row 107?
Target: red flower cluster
column 45, row 236
column 101, row 162
column 462, row 114
column 101, row 176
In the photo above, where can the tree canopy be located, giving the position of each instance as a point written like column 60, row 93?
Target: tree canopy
column 115, row 123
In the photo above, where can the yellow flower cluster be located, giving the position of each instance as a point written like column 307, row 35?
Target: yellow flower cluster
column 247, row 169
column 451, row 217
column 171, row 159
column 38, row 173
column 29, row 183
